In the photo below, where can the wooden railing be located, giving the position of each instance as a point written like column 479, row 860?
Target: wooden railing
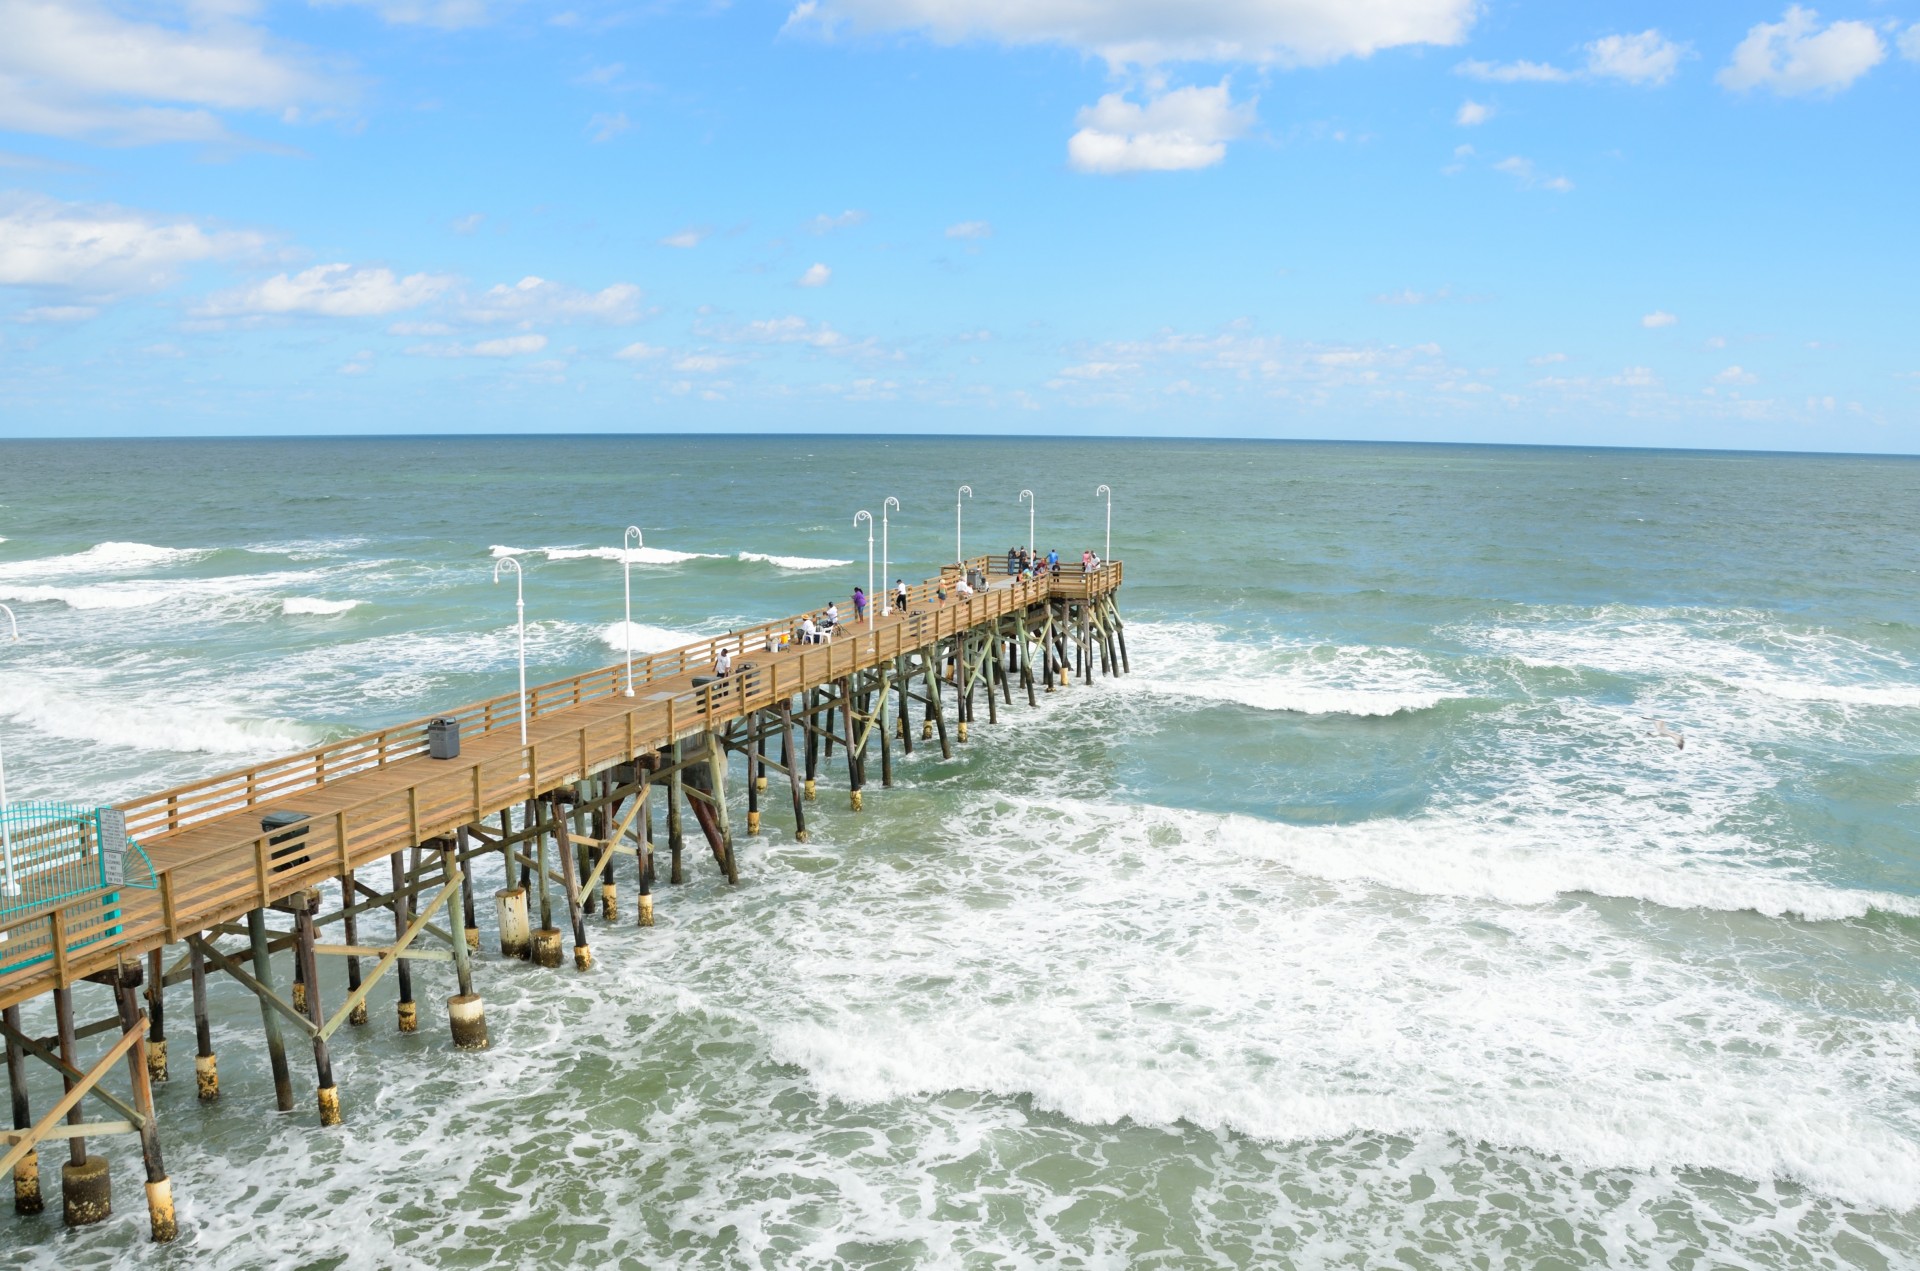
column 151, row 817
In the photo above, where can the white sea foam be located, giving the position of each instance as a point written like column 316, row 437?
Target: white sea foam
column 151, row 723
column 1159, row 967
column 794, row 562
column 104, row 558
column 1195, row 660
column 1748, row 652
column 636, row 556
column 310, row 605
column 647, row 638
column 100, row 596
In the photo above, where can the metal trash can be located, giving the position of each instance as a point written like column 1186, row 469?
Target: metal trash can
column 287, row 847
column 443, row 738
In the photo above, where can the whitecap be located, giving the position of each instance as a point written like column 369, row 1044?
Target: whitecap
column 794, row 562
column 152, row 723
column 102, row 558
column 309, row 605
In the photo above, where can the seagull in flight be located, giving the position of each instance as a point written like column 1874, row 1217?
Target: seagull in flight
column 1660, row 729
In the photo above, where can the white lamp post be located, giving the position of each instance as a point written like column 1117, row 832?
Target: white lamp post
column 520, row 622
column 1108, row 491
column 1026, row 497
column 629, row 544
column 958, row 554
column 867, row 516
column 8, row 886
column 886, row 562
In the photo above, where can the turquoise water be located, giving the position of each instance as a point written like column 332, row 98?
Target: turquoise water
column 1370, row 922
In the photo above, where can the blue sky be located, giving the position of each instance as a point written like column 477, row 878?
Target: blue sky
column 1419, row 219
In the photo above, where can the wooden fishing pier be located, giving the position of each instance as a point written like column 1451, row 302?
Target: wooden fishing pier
column 286, row 857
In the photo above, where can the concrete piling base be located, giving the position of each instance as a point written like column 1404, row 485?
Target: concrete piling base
column 409, row 1021
column 812, row 793
column 469, row 1020
column 299, row 998
column 646, row 911
column 760, row 783
column 963, row 730
column 582, row 958
column 473, row 939
column 160, row 1221
column 330, row 1102
column 926, row 730
column 546, row 947
column 157, row 1061
column 86, row 1192
column 854, row 797
column 206, row 1074
column 753, row 823
column 511, row 907
column 26, row 1185
column 610, row 901
column 358, row 1015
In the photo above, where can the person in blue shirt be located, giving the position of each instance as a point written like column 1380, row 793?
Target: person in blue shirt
column 1053, row 562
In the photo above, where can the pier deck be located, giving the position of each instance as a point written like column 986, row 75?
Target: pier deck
column 591, row 754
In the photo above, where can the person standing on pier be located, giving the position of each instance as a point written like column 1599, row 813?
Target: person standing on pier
column 900, row 596
column 859, row 605
column 723, row 664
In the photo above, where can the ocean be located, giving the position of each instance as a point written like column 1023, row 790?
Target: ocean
column 1377, row 919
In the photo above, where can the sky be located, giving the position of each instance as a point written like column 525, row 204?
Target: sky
column 1436, row 220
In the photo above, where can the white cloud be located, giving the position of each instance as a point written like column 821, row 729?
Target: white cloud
column 973, row 230
column 788, row 330
column 1736, row 375
column 816, row 276
column 334, row 291
column 1796, row 56
column 1408, row 296
column 824, row 224
column 704, row 363
column 1657, row 319
column 1472, row 113
column 448, row 15
column 57, row 313
column 639, row 351
column 690, row 237
column 76, row 68
column 538, row 299
column 1716, row 341
column 1528, row 177
column 1149, row 32
column 359, row 364
column 1910, row 43
column 469, row 223
column 510, row 346
column 1180, row 129
column 1546, row 359
column 102, row 250
column 1635, row 377
column 1513, row 72
column 1646, row 58
column 505, row 346
column 607, row 127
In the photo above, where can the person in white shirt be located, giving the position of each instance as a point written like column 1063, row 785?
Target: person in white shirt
column 723, row 664
column 965, row 589
column 809, row 633
column 900, row 595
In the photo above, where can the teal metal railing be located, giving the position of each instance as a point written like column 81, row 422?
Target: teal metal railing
column 65, row 857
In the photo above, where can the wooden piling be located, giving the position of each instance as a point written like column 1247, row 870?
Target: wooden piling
column 326, row 1093
column 206, row 1069
column 270, row 1021
column 350, row 932
column 86, row 1187
column 408, row 1011
column 160, row 1219
column 26, row 1171
column 156, row 1017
